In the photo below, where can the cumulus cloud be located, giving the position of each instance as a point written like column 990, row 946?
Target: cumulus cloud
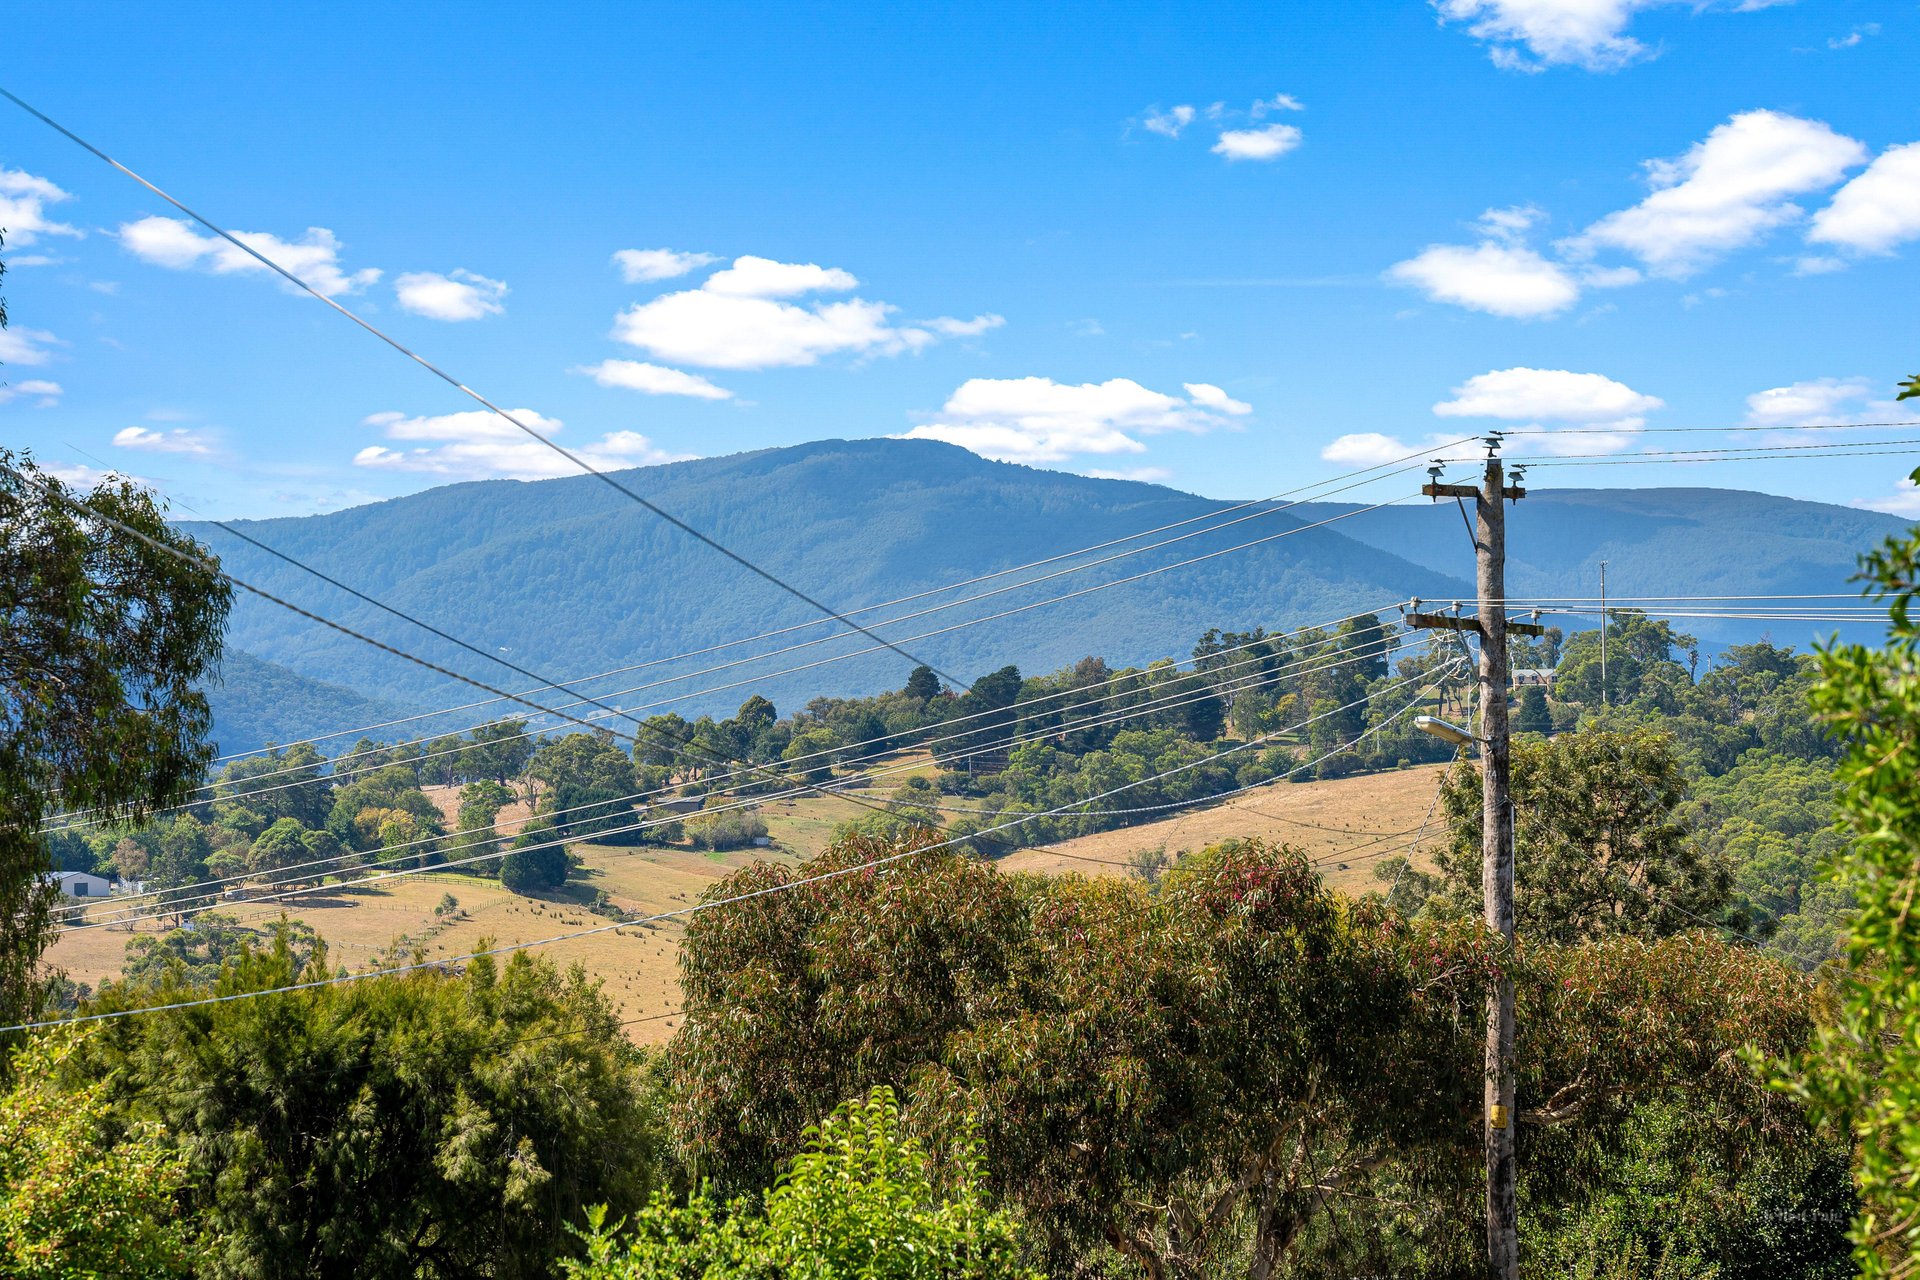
column 637, row 266
column 1824, row 401
column 735, row 320
column 1557, row 394
column 1039, row 420
column 47, row 393
column 1854, row 36
column 458, row 295
column 1608, row 414
column 26, row 346
column 1725, row 193
column 1878, row 210
column 1368, row 449
column 1269, row 142
column 82, row 476
column 1499, row 278
column 653, row 379
column 1531, row 35
column 755, row 277
column 948, row 327
column 184, row 440
column 1254, row 141
column 315, row 258
column 23, row 208
column 477, row 445
column 1208, row 396
column 1144, row 475
column 1168, row 123
column 1903, row 501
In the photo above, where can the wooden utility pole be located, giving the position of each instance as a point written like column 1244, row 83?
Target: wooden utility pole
column 1496, row 842
column 1605, row 701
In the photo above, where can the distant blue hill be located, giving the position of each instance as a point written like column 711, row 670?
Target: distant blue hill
column 256, row 702
column 1656, row 542
column 567, row 577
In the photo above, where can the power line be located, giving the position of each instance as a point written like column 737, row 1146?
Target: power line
column 338, row 761
column 1296, row 669
column 905, row 599
column 1005, row 613
column 469, row 392
column 122, row 916
column 709, row 904
column 1782, row 430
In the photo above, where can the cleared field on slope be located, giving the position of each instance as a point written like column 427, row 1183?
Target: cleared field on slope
column 1350, row 820
column 1346, row 825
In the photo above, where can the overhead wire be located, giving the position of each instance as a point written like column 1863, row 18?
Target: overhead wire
column 352, row 862
column 248, row 791
column 526, row 430
column 705, row 904
column 1269, row 510
column 589, row 721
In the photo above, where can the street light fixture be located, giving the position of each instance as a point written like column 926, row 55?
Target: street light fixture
column 1442, row 730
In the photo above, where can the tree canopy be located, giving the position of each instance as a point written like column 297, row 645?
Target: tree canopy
column 106, row 642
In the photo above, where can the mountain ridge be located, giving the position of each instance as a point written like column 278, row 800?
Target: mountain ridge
column 567, row 577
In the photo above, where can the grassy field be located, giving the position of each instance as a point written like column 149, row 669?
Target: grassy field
column 1344, row 825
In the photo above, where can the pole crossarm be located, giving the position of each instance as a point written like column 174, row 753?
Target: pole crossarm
column 1445, row 622
column 1513, row 491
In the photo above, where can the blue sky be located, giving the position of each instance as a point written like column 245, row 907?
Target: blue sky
column 1236, row 248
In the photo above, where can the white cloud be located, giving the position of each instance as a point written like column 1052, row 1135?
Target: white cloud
column 712, row 330
column 1278, row 102
column 49, row 393
column 315, row 258
column 475, row 444
column 23, row 208
column 948, row 327
column 1040, row 420
column 1854, row 36
column 1502, row 279
column 1556, row 394
column 1829, row 401
column 653, row 379
column 1726, row 192
column 1366, row 449
column 640, row 265
column 730, row 323
column 81, row 476
column 1877, row 210
column 1608, row 413
column 1170, row 122
column 1208, row 396
column 754, row 277
column 458, row 295
column 1531, row 35
column 180, row 440
column 1903, row 501
column 26, row 346
column 1817, row 400
column 1144, row 475
column 1266, row 143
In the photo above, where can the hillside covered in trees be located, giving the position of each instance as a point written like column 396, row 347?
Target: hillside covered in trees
column 597, row 584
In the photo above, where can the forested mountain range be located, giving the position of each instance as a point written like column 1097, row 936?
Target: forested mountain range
column 568, row 577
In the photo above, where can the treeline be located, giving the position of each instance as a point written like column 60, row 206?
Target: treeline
column 1022, row 760
column 1744, row 769
column 1229, row 1071
column 1313, row 703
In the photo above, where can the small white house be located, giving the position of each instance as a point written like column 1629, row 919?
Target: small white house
column 82, row 884
column 1531, row 678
